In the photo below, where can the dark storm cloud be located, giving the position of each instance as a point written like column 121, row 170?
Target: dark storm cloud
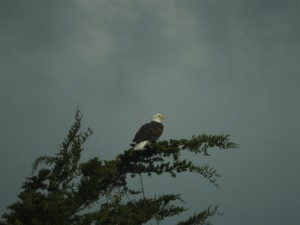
column 210, row 66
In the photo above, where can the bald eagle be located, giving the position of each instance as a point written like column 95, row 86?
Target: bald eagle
column 149, row 132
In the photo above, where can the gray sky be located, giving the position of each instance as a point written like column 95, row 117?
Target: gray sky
column 210, row 66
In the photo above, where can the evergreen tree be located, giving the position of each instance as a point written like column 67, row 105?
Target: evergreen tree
column 64, row 192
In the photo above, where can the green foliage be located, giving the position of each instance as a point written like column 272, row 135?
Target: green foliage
column 64, row 189
column 201, row 218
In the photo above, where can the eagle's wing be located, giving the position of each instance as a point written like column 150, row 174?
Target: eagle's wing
column 149, row 132
column 142, row 134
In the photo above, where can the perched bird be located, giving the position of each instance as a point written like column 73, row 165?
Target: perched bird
column 149, row 132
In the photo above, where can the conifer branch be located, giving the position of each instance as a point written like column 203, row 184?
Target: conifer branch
column 201, row 218
column 143, row 191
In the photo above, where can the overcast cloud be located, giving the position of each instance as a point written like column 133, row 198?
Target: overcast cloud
column 210, row 66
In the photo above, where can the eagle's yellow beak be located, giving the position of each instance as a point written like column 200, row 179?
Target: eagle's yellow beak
column 162, row 117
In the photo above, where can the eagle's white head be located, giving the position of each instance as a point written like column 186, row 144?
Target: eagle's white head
column 158, row 117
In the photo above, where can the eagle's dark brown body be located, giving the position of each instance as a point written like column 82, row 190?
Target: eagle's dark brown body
column 149, row 132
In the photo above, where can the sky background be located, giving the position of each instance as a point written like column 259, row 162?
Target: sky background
column 211, row 67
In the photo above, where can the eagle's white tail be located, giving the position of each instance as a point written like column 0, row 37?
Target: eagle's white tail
column 140, row 145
